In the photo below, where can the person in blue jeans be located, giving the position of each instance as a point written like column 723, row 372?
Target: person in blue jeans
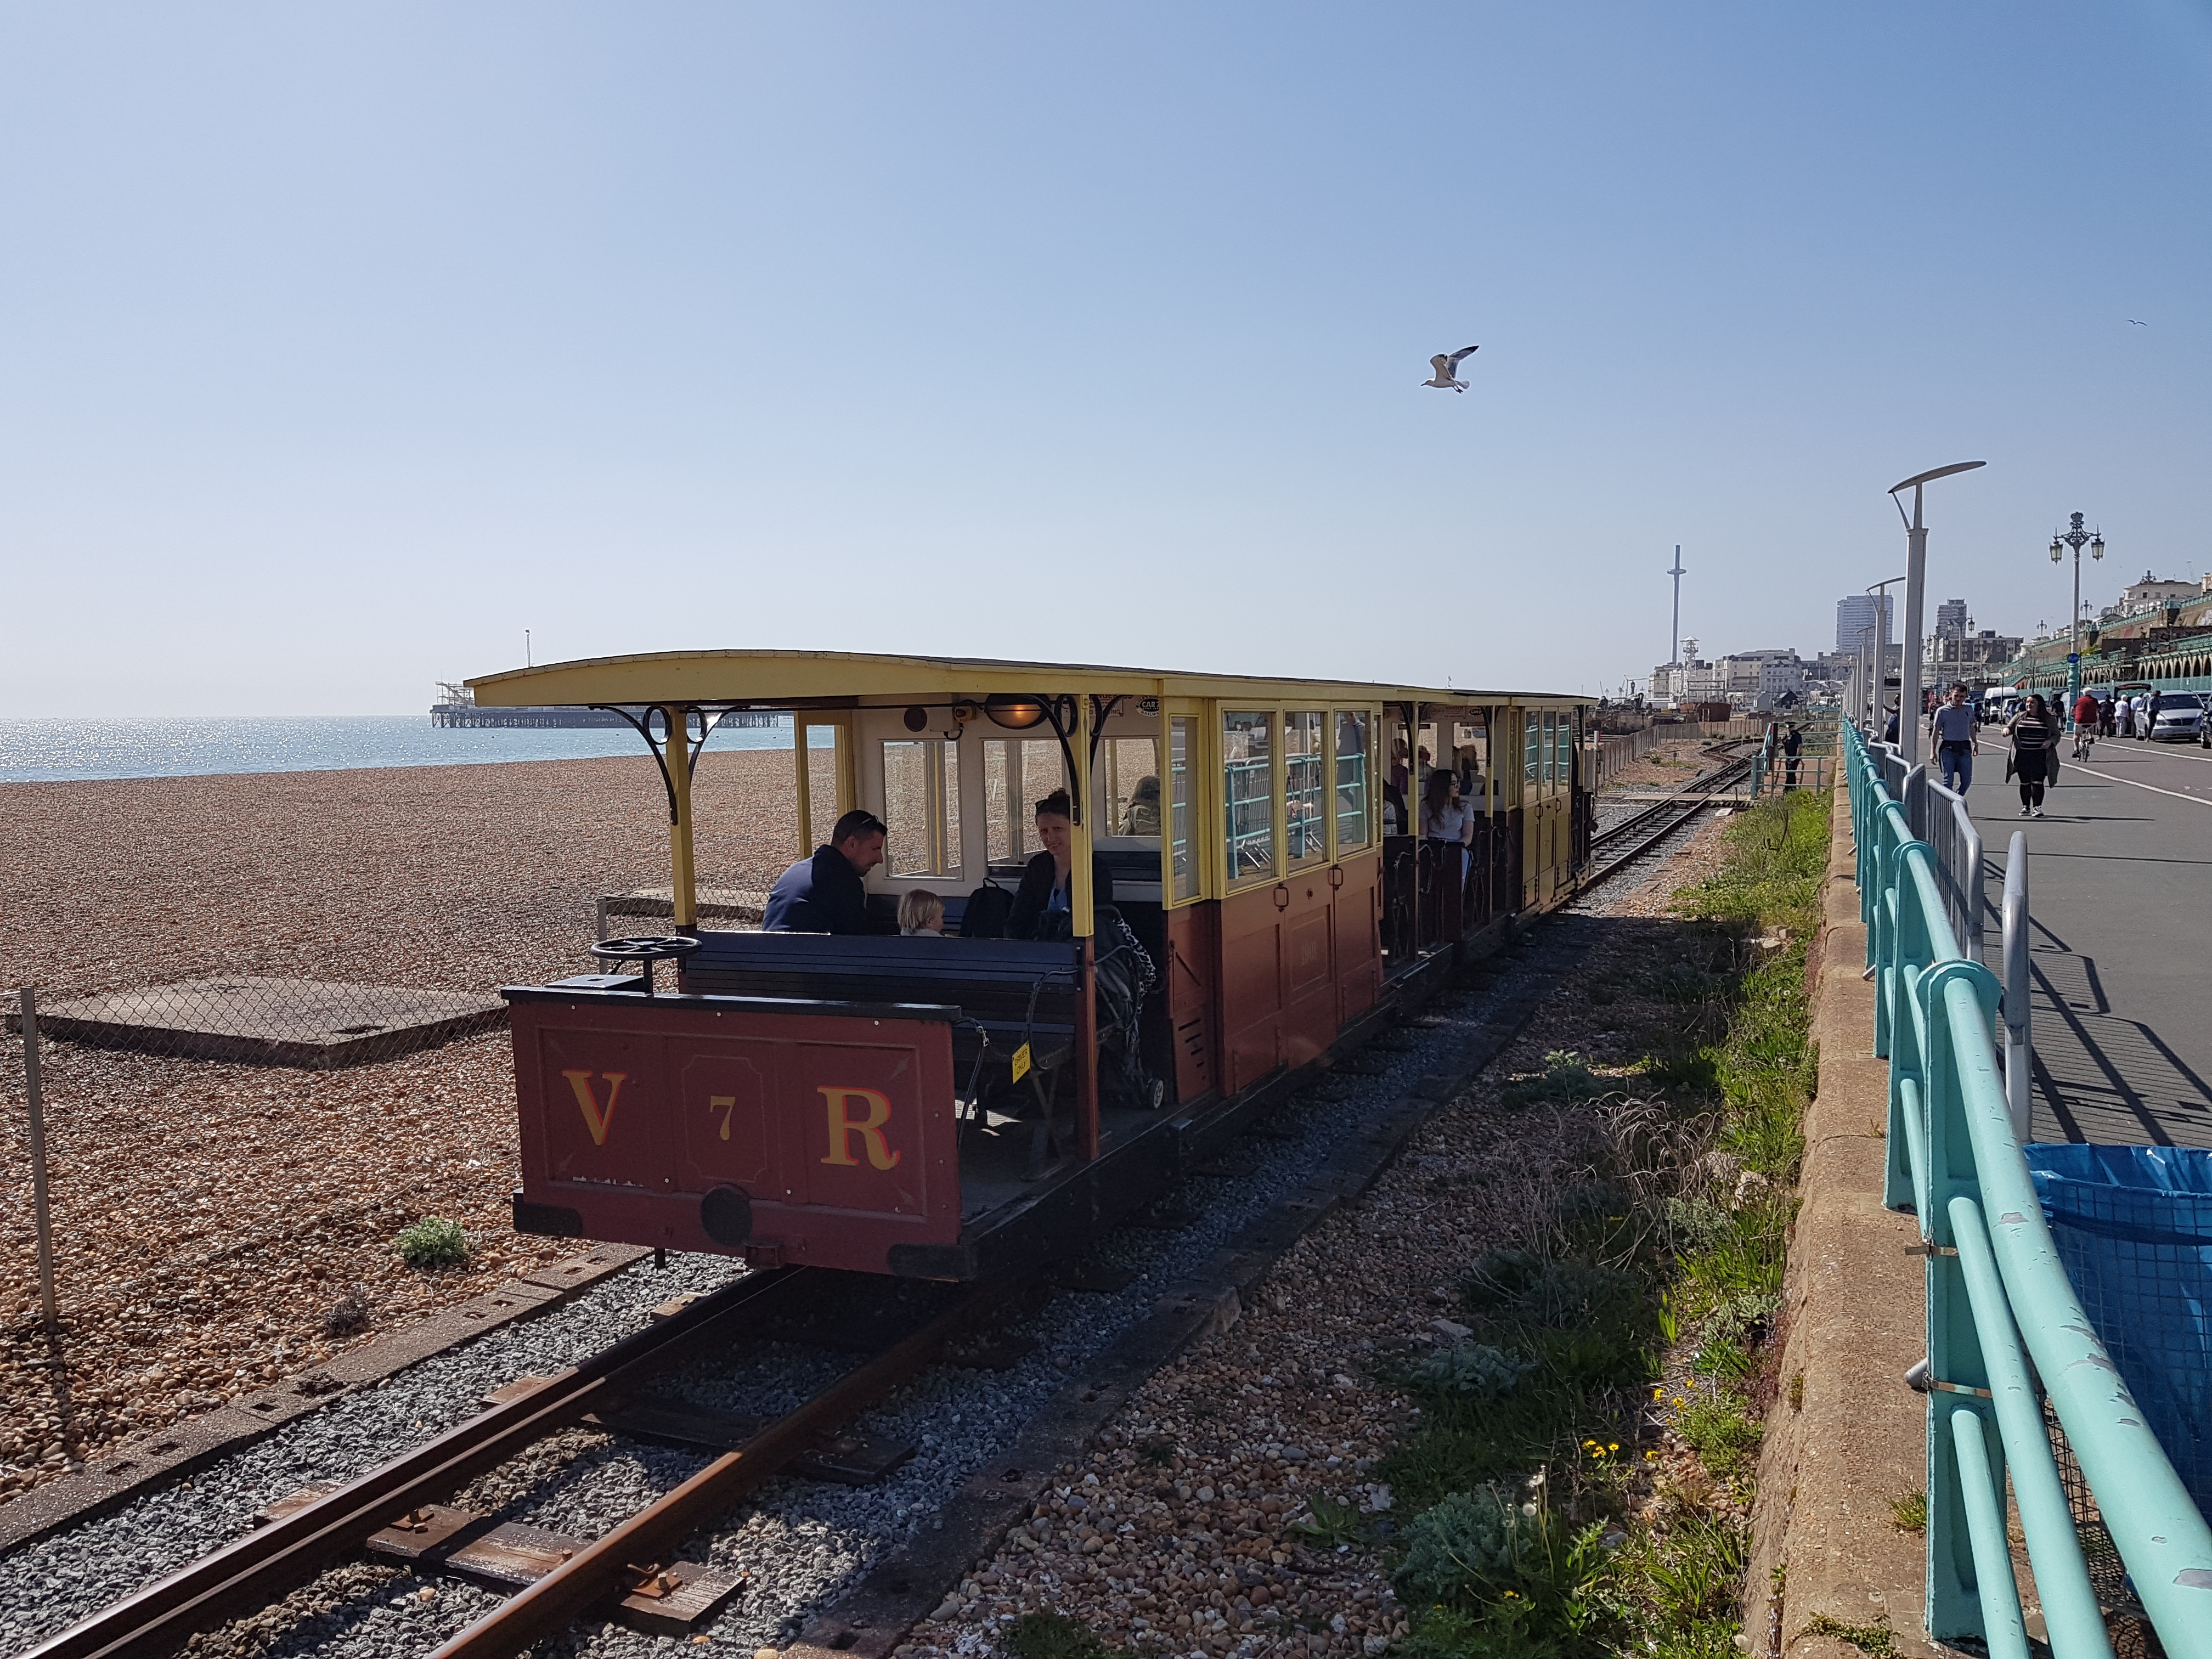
column 1952, row 727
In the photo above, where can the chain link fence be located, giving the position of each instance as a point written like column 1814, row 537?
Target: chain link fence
column 271, row 1040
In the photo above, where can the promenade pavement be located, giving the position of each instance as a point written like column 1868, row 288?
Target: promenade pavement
column 2120, row 894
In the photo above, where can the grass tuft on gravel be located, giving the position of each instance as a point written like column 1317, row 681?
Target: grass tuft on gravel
column 1055, row 1636
column 433, row 1242
column 1533, row 1532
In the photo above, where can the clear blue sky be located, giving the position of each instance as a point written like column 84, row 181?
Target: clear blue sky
column 339, row 344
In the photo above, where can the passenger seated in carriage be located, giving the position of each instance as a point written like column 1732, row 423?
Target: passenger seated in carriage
column 920, row 915
column 1042, row 903
column 828, row 893
column 1141, row 816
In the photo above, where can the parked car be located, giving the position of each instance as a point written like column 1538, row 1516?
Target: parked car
column 2181, row 719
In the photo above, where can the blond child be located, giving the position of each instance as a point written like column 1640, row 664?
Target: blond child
column 920, row 915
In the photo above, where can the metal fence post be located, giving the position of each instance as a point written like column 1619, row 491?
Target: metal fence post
column 43, row 1219
column 2019, row 1055
column 602, row 918
column 1956, row 1364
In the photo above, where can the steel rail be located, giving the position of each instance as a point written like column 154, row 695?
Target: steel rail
column 265, row 1564
column 1676, row 811
column 607, row 1567
column 1697, row 789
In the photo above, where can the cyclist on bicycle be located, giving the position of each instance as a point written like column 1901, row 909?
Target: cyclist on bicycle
column 2085, row 723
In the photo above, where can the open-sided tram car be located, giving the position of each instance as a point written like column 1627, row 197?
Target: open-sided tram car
column 936, row 1107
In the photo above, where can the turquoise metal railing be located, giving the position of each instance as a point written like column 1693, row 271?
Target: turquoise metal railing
column 2002, row 1321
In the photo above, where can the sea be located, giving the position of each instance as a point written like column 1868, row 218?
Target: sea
column 63, row 751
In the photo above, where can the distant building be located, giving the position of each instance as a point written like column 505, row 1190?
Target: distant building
column 1858, row 611
column 1754, row 679
column 1968, row 657
column 1951, row 621
column 1694, row 681
column 2151, row 590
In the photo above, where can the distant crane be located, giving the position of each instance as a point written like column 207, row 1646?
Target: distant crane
column 1446, row 364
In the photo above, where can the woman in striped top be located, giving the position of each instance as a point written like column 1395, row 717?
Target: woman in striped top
column 2034, row 736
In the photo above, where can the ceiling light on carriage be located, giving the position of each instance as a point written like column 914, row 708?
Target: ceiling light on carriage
column 917, row 718
column 1015, row 713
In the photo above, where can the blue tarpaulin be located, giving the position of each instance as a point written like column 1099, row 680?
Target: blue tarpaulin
column 2133, row 1225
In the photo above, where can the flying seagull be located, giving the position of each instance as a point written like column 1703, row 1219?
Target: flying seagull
column 1446, row 365
column 2139, row 322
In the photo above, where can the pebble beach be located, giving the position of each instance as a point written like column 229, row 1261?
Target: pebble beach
column 217, row 1226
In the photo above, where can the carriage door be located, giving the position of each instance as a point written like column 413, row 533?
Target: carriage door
column 1531, row 827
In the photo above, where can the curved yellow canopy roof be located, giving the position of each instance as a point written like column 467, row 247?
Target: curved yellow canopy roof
column 785, row 679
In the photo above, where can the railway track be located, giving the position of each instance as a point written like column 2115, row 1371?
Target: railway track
column 630, row 1565
column 1614, row 848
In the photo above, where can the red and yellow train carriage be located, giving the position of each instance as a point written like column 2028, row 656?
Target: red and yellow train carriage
column 936, row 1107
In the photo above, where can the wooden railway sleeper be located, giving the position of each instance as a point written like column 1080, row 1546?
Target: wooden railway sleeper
column 596, row 1573
column 252, row 1571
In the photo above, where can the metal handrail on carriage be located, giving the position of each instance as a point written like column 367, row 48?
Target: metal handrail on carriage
column 2006, row 1332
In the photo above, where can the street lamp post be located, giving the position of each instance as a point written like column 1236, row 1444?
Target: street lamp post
column 1879, row 682
column 2075, row 538
column 1916, row 567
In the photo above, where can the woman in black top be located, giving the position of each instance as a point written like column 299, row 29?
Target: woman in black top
column 1042, row 903
column 2034, row 736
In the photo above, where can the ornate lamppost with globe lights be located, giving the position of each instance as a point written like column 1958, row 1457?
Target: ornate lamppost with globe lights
column 2075, row 538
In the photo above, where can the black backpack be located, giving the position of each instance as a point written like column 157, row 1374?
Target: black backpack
column 988, row 908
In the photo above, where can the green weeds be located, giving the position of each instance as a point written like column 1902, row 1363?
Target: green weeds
column 433, row 1242
column 1908, row 1511
column 1717, row 1424
column 1055, row 1636
column 1667, row 1229
column 1328, row 1522
column 1874, row 1640
column 1566, row 1076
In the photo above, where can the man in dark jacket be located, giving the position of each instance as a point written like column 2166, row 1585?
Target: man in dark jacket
column 828, row 892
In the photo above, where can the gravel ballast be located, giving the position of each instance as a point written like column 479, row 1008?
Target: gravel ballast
column 800, row 1541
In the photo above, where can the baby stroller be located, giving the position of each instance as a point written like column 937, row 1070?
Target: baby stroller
column 1124, row 975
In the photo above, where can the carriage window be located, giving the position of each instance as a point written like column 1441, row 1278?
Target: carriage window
column 1248, row 793
column 911, row 844
column 1350, row 779
column 1531, row 740
column 1305, row 822
column 1182, row 861
column 1551, row 752
column 1017, row 773
column 822, row 757
column 1566, row 744
column 948, row 809
column 1130, row 769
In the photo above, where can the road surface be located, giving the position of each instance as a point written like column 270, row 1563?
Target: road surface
column 2120, row 891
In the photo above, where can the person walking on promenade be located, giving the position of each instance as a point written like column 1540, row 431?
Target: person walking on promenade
column 2034, row 736
column 1791, row 743
column 1951, row 730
